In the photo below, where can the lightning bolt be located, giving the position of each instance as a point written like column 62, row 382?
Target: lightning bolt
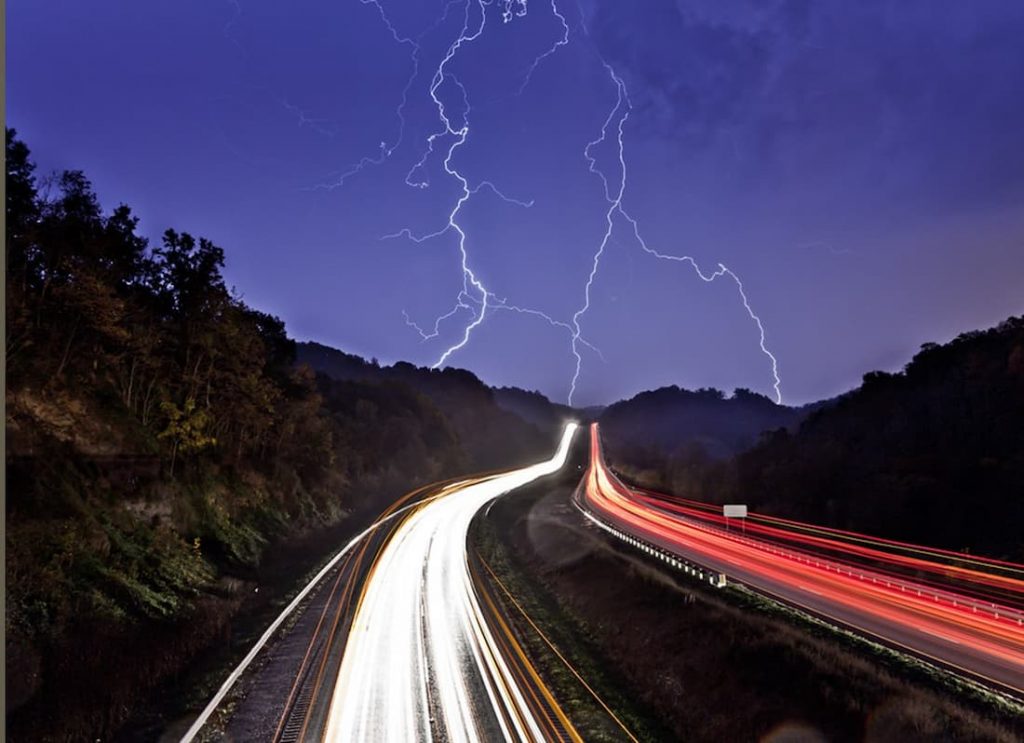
column 554, row 47
column 474, row 297
column 385, row 149
column 472, row 287
column 232, row 23
column 497, row 304
column 708, row 278
column 465, row 300
column 614, row 204
column 615, row 207
column 513, row 9
column 502, row 305
column 320, row 126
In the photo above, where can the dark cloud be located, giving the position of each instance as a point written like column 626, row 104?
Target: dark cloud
column 912, row 97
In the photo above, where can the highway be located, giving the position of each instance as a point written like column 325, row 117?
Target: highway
column 426, row 657
column 963, row 612
column 404, row 637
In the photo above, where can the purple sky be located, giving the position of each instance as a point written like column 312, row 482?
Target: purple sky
column 858, row 165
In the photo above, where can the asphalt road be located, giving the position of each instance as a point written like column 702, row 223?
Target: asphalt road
column 423, row 659
column 982, row 638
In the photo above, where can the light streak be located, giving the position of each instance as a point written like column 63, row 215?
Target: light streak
column 420, row 655
column 966, row 612
column 235, row 674
column 979, row 577
column 558, row 654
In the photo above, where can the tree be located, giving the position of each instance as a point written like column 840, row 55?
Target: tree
column 186, row 428
column 21, row 201
column 22, row 212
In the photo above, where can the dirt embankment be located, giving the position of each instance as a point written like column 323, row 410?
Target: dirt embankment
column 710, row 667
column 171, row 708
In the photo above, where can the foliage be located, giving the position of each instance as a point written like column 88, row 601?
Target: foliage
column 934, row 454
column 656, row 422
column 487, row 432
column 161, row 435
column 186, row 427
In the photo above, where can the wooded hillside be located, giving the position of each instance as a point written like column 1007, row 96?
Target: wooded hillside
column 160, row 435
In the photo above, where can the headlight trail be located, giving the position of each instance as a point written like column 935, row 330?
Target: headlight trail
column 396, row 509
column 421, row 661
column 965, row 612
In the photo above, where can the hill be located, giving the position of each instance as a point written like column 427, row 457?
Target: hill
column 534, row 407
column 491, row 434
column 662, row 421
column 165, row 442
column 933, row 454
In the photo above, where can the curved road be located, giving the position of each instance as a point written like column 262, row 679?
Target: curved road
column 949, row 624
column 421, row 661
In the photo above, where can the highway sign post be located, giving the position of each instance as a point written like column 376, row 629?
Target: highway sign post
column 735, row 511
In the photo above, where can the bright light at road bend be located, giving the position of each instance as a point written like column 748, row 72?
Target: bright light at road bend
column 420, row 656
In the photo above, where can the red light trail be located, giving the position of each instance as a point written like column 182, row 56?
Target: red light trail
column 964, row 611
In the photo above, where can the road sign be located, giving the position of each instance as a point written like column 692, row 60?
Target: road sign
column 734, row 511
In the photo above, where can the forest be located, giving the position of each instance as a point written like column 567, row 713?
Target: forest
column 161, row 436
column 932, row 454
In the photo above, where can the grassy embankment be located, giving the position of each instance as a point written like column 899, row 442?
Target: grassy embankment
column 713, row 664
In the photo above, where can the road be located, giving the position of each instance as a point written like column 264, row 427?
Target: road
column 424, row 658
column 402, row 637
column 963, row 612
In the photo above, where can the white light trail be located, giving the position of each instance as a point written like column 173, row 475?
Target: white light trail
column 420, row 658
column 233, row 677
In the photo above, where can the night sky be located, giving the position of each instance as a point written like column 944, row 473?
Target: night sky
column 858, row 165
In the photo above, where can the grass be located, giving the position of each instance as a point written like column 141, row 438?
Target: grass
column 569, row 636
column 898, row 662
column 714, row 664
